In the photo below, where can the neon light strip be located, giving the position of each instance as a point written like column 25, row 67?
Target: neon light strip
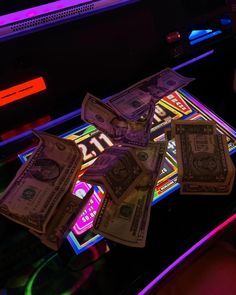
column 170, row 190
column 34, row 276
column 57, row 6
column 81, row 248
column 39, row 10
column 208, row 36
column 77, row 112
column 193, row 60
column 186, row 254
column 46, row 126
column 198, row 33
column 22, row 90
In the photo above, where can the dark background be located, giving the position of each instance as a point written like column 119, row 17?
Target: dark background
column 102, row 54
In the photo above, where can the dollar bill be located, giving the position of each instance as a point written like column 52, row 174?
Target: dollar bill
column 133, row 102
column 152, row 156
column 138, row 132
column 127, row 222
column 38, row 187
column 94, row 111
column 193, row 127
column 168, row 134
column 208, row 188
column 204, row 164
column 63, row 219
column 117, row 170
column 191, row 138
column 120, row 131
column 204, row 158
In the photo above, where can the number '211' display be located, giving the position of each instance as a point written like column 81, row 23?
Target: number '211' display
column 179, row 104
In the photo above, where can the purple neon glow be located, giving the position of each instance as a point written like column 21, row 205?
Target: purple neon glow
column 39, row 10
column 186, row 254
column 85, row 221
column 193, row 60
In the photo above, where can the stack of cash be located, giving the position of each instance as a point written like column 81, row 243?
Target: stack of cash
column 123, row 215
column 204, row 163
column 118, row 129
column 129, row 170
column 39, row 197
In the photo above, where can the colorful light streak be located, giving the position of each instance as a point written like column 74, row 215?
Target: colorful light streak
column 208, row 36
column 193, row 60
column 28, row 290
column 198, row 33
column 186, row 254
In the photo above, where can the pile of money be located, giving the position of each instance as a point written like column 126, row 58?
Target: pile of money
column 133, row 102
column 204, row 163
column 39, row 197
column 123, row 215
column 128, row 171
column 127, row 117
column 121, row 131
column 117, row 170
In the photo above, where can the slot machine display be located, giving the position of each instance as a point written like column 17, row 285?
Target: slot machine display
column 178, row 105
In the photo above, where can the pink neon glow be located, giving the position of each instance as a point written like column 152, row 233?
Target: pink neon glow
column 31, row 14
column 38, row 10
column 85, row 221
column 186, row 254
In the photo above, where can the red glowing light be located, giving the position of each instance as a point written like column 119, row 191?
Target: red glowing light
column 22, row 90
column 28, row 126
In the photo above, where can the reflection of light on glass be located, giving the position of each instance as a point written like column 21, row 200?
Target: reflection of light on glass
column 85, row 220
column 153, row 283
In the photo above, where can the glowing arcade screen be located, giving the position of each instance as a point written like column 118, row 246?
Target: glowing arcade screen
column 178, row 105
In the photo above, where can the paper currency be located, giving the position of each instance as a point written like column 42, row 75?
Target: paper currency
column 168, row 134
column 133, row 102
column 94, row 111
column 120, row 131
column 127, row 223
column 63, row 219
column 138, row 132
column 117, row 170
column 40, row 184
column 204, row 164
column 193, row 127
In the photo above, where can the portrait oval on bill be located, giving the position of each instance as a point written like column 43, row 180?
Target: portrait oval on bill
column 45, row 170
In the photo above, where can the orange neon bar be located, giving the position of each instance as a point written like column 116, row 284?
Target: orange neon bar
column 22, row 90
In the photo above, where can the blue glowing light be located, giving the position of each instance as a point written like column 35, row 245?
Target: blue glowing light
column 225, row 21
column 208, row 36
column 198, row 33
